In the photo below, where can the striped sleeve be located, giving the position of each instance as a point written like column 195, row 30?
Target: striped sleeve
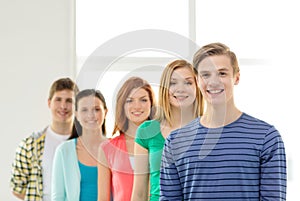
column 170, row 186
column 273, row 167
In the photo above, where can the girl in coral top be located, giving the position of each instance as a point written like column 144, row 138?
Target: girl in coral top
column 135, row 104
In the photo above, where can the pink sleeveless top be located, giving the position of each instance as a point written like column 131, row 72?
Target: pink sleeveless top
column 119, row 163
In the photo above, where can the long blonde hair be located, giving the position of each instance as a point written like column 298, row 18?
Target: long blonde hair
column 164, row 106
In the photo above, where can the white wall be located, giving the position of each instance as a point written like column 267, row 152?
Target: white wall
column 36, row 47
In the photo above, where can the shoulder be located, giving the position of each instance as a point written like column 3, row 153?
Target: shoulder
column 257, row 127
column 114, row 145
column 149, row 123
column 183, row 131
column 180, row 140
column 29, row 141
column 249, row 121
column 148, row 129
column 116, row 139
column 67, row 145
column 189, row 127
column 113, row 142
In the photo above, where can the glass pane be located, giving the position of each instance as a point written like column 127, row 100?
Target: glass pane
column 265, row 36
column 99, row 21
column 254, row 29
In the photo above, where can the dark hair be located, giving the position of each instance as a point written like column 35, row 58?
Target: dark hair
column 62, row 84
column 77, row 129
column 121, row 121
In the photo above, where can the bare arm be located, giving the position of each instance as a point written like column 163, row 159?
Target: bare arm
column 141, row 174
column 104, row 177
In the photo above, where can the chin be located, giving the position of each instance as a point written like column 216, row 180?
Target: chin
column 138, row 122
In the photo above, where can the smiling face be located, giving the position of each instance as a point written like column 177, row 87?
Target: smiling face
column 137, row 106
column 62, row 106
column 182, row 89
column 217, row 80
column 90, row 113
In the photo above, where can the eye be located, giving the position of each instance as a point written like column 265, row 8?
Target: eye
column 188, row 82
column 128, row 101
column 58, row 99
column 222, row 74
column 83, row 110
column 172, row 83
column 204, row 75
column 144, row 100
column 69, row 100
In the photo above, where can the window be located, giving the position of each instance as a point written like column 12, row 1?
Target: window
column 263, row 34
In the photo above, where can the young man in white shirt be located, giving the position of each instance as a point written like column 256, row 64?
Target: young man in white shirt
column 31, row 172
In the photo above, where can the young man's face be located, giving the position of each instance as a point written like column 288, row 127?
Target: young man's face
column 216, row 80
column 62, row 106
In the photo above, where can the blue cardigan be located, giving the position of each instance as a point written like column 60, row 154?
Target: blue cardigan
column 65, row 173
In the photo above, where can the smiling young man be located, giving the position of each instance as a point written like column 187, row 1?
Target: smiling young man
column 31, row 173
column 225, row 154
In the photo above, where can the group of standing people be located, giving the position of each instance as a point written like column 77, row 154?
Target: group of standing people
column 194, row 144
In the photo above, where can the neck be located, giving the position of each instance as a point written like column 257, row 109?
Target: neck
column 92, row 137
column 130, row 133
column 183, row 116
column 62, row 128
column 220, row 115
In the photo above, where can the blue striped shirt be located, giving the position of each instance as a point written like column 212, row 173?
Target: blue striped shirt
column 244, row 160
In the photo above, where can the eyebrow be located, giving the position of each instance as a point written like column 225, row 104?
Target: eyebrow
column 204, row 71
column 139, row 97
column 221, row 69
column 187, row 78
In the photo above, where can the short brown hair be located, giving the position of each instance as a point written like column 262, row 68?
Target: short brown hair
column 215, row 49
column 62, row 84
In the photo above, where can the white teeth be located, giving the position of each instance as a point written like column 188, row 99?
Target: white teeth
column 180, row 97
column 215, row 91
column 91, row 121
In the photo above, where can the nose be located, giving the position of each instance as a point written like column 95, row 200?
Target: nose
column 91, row 114
column 137, row 104
column 214, row 80
column 63, row 104
column 180, row 87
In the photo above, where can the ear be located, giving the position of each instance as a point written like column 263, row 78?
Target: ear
column 105, row 113
column 49, row 102
column 237, row 78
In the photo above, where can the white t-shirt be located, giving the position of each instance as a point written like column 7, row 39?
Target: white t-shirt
column 131, row 159
column 52, row 140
